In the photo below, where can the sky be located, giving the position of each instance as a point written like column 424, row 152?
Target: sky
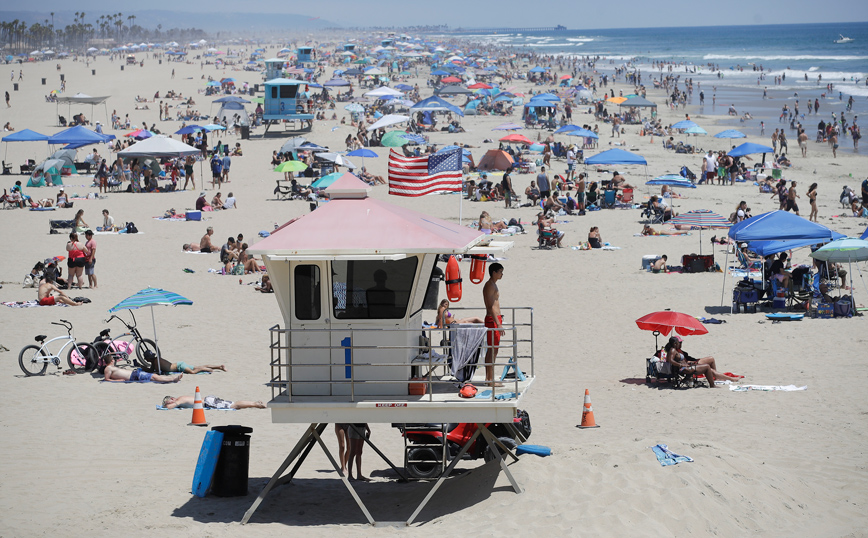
column 503, row 13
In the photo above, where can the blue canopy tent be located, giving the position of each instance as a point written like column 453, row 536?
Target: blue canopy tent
column 864, row 234
column 537, row 69
column 777, row 226
column 767, row 248
column 436, row 104
column 25, row 135
column 79, row 135
column 616, row 156
column 749, row 148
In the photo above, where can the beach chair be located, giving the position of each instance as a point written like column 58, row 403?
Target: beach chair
column 7, row 169
column 626, row 200
column 657, row 369
column 547, row 238
column 653, row 214
column 55, row 225
column 27, row 168
column 608, row 201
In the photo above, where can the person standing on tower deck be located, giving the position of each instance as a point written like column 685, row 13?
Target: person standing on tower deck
column 493, row 320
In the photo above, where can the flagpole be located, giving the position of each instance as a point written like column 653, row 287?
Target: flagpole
column 461, row 198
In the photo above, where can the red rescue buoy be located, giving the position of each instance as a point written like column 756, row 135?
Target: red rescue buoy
column 453, row 280
column 477, row 269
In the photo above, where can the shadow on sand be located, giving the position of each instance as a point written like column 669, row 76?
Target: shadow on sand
column 325, row 501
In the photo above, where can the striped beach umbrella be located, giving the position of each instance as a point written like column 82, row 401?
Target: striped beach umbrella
column 151, row 297
column 701, row 219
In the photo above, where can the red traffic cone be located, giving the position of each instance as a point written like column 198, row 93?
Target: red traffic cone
column 588, row 413
column 199, row 411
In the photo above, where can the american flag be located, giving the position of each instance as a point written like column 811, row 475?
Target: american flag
column 429, row 174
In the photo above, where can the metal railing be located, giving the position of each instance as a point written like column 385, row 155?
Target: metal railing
column 515, row 352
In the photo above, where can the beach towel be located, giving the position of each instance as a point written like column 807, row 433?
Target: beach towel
column 27, row 304
column 713, row 321
column 161, row 408
column 503, row 396
column 466, row 341
column 667, row 457
column 174, row 219
column 767, row 388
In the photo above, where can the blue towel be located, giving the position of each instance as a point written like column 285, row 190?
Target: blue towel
column 667, row 457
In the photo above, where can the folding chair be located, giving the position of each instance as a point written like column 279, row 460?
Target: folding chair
column 626, row 201
column 608, row 201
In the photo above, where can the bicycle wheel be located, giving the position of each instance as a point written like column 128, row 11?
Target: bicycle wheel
column 83, row 359
column 32, row 360
column 145, row 345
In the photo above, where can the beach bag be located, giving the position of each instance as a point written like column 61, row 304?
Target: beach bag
column 131, row 228
column 29, row 281
column 842, row 308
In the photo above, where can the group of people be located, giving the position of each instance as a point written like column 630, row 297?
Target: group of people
column 233, row 253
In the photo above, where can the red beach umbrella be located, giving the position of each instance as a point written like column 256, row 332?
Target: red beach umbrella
column 515, row 137
column 479, row 86
column 665, row 322
column 451, row 80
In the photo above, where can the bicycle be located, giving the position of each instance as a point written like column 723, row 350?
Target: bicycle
column 120, row 347
column 34, row 359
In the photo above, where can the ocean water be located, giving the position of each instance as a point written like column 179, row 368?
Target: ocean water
column 795, row 51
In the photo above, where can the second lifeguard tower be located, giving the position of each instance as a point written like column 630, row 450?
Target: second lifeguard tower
column 352, row 280
column 286, row 102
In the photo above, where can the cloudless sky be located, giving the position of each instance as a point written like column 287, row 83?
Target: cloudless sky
column 501, row 13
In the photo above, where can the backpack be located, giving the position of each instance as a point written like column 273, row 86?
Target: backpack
column 131, row 228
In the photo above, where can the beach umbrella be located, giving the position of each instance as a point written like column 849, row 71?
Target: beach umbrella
column 292, row 144
column 394, row 139
column 188, row 129
column 387, row 120
column 362, row 153
column 336, row 158
column 515, row 137
column 213, row 127
column 730, row 133
column 701, row 219
column 748, row 148
column 616, row 100
column 479, row 85
column 672, row 180
column 844, row 250
column 666, row 321
column 684, row 124
column 583, row 133
column 507, row 127
column 326, row 181
column 354, row 107
column 416, row 139
column 695, row 130
column 140, row 134
column 566, row 129
column 291, row 166
column 151, row 297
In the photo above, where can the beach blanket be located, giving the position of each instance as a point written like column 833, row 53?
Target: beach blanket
column 767, row 388
column 27, row 304
column 174, row 219
column 42, row 208
column 667, row 457
column 503, row 396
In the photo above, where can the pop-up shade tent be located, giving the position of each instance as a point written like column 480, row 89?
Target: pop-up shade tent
column 82, row 99
column 25, row 135
column 616, row 156
column 749, row 148
column 158, row 146
column 638, row 102
column 436, row 104
column 52, row 168
column 79, row 135
column 229, row 111
column 776, row 226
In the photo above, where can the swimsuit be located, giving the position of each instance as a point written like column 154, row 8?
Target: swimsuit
column 493, row 337
column 47, row 301
column 140, row 376
column 183, row 366
column 214, row 402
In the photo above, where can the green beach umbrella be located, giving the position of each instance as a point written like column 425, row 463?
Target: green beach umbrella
column 394, row 139
column 291, row 166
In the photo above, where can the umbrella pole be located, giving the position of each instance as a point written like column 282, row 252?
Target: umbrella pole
column 725, row 269
column 154, row 325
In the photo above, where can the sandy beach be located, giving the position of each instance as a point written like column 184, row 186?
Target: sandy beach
column 84, row 458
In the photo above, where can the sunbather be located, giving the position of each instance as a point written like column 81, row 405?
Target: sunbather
column 115, row 374
column 445, row 318
column 210, row 402
column 182, row 367
column 705, row 366
column 648, row 230
column 660, row 265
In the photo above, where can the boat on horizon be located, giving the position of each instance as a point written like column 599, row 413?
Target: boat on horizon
column 841, row 39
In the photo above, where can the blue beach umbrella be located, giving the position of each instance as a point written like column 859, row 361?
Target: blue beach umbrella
column 695, row 130
column 363, row 152
column 151, row 297
column 673, row 180
column 684, row 124
column 730, row 133
column 326, row 181
column 583, row 133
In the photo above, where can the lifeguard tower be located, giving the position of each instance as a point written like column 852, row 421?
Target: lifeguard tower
column 306, row 54
column 352, row 280
column 285, row 100
column 274, row 68
column 388, row 42
column 349, row 47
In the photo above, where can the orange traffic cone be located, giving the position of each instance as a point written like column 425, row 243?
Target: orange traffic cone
column 588, row 413
column 199, row 411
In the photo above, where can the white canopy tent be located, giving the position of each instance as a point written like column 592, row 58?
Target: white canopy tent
column 83, row 99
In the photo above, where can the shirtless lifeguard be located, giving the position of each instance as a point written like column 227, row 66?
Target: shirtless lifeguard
column 493, row 320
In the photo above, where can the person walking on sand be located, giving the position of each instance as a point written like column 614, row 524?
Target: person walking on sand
column 493, row 320
column 7, row 100
column 803, row 143
column 812, row 196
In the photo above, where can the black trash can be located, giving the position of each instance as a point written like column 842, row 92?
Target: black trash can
column 93, row 71
column 230, row 476
column 161, row 62
column 43, row 82
column 245, row 132
column 15, row 87
column 122, row 68
column 61, row 77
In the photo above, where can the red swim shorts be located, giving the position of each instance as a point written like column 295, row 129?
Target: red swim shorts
column 47, row 301
column 493, row 337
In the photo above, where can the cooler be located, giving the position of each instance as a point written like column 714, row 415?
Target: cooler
column 194, row 215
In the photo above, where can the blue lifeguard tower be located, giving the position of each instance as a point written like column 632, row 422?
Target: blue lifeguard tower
column 274, row 68
column 349, row 47
column 387, row 42
column 306, row 54
column 285, row 100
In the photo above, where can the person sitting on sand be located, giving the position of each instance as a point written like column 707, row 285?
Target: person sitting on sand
column 487, row 226
column 445, row 318
column 266, row 285
column 204, row 245
column 210, row 402
column 248, row 261
column 202, row 203
column 115, row 374
column 46, row 299
column 182, row 367
column 648, row 230
column 217, row 202
column 594, row 238
column 705, row 366
column 660, row 265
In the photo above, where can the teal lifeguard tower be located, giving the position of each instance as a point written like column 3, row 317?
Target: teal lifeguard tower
column 387, row 42
column 274, row 68
column 285, row 100
column 349, row 47
column 306, row 54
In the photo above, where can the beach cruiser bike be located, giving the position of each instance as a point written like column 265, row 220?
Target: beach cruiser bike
column 34, row 359
column 121, row 347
